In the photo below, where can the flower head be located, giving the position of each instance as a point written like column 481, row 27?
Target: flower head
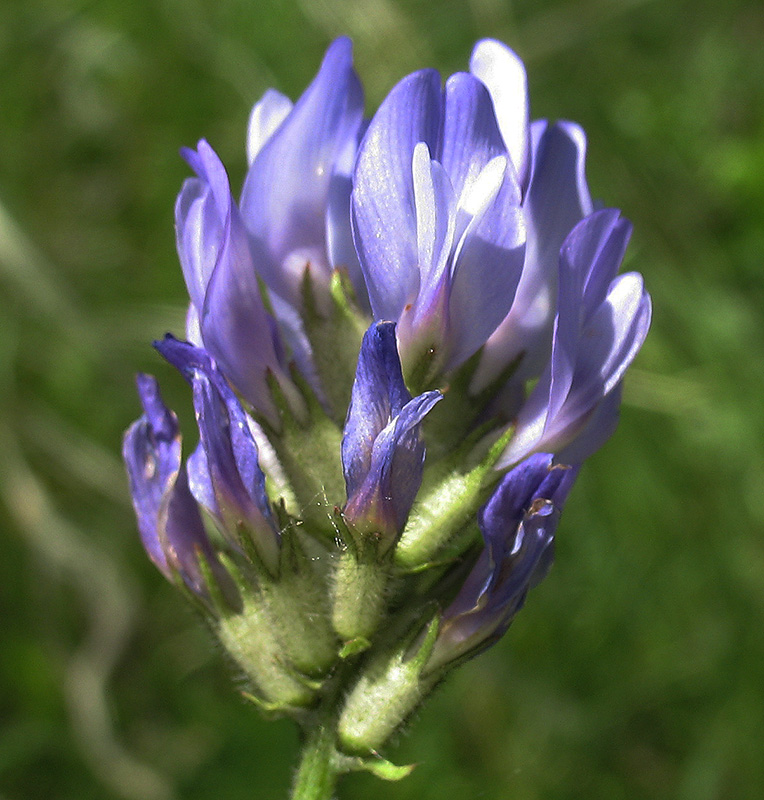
column 403, row 341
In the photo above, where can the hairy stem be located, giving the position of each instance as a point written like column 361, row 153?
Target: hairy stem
column 316, row 774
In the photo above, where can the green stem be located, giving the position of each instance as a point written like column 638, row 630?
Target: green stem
column 316, row 775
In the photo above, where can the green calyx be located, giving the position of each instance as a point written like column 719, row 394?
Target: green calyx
column 359, row 586
column 451, row 494
column 307, row 452
column 389, row 690
column 334, row 327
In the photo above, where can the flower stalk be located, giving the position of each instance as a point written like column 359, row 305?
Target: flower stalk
column 316, row 775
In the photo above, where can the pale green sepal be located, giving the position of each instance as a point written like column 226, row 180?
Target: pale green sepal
column 377, row 766
column 277, row 486
column 446, row 505
column 251, row 640
column 308, row 451
column 300, row 610
column 359, row 593
column 200, row 604
column 250, row 637
column 271, row 710
column 451, row 551
column 421, row 369
column 422, row 655
column 354, row 647
column 335, row 336
column 389, row 690
column 221, row 586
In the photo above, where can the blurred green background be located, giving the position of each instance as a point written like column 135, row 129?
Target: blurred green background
column 637, row 669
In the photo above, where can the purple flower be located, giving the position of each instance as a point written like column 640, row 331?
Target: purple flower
column 224, row 471
column 518, row 525
column 599, row 328
column 382, row 447
column 294, row 220
column 168, row 518
column 475, row 229
column 296, row 197
column 436, row 215
column 219, row 263
column 549, row 157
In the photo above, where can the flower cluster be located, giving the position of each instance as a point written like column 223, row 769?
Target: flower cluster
column 403, row 341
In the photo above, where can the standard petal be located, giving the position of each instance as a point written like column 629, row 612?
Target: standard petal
column 383, row 205
column 471, row 136
column 207, row 165
column 285, row 197
column 227, row 312
column 503, row 73
column 558, row 195
column 266, row 116
column 594, row 250
column 235, row 327
column 193, row 326
column 201, row 211
column 339, row 231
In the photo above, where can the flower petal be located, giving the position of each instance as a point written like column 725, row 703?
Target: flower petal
column 236, row 329
column 339, row 232
column 200, row 213
column 168, row 518
column 610, row 341
column 435, row 220
column 503, row 73
column 227, row 309
column 264, row 119
column 608, row 344
column 598, row 429
column 471, row 137
column 488, row 262
column 285, row 197
column 589, row 260
column 230, row 453
column 383, row 203
column 379, row 393
column 382, row 450
column 518, row 525
column 556, row 200
column 383, row 500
